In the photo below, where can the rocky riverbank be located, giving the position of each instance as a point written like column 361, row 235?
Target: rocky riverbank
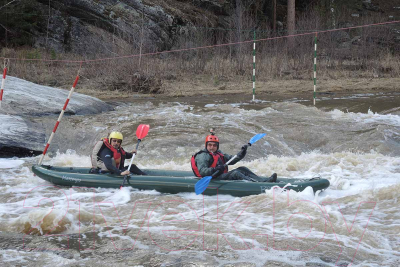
column 205, row 85
column 21, row 133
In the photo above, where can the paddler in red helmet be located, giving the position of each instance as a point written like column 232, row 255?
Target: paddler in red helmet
column 210, row 160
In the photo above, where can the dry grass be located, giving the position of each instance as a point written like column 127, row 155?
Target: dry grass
column 359, row 59
column 178, row 76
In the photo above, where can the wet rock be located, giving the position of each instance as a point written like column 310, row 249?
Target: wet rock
column 26, row 98
column 23, row 102
column 20, row 137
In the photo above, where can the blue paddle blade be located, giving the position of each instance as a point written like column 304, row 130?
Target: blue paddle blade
column 256, row 138
column 202, row 184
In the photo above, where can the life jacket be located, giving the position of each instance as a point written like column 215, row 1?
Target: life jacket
column 216, row 156
column 100, row 145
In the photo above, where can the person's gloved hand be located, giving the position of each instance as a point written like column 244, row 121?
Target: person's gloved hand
column 125, row 172
column 243, row 152
column 220, row 169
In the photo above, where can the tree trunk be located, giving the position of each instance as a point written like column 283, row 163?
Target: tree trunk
column 291, row 22
column 274, row 16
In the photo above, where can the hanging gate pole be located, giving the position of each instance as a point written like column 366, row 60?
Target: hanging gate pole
column 315, row 67
column 3, row 81
column 254, row 66
column 59, row 118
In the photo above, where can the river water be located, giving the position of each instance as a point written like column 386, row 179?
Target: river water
column 351, row 140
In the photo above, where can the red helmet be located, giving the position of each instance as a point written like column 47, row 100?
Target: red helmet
column 212, row 138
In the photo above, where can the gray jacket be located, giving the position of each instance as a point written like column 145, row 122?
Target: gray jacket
column 205, row 160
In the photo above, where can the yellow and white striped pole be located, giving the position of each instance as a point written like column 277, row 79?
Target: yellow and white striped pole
column 315, row 67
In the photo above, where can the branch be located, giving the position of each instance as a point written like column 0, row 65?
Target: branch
column 8, row 3
column 7, row 30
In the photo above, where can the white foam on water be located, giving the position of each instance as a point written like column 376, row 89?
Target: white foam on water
column 370, row 117
column 14, row 256
column 354, row 177
column 262, row 257
column 33, row 198
column 120, row 197
column 17, row 257
column 70, row 158
column 239, row 104
column 100, row 128
column 349, row 173
column 10, row 163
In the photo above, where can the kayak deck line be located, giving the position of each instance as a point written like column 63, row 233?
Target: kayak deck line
column 169, row 181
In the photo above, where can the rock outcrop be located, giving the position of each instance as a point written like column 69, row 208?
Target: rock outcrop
column 123, row 27
column 21, row 133
column 112, row 27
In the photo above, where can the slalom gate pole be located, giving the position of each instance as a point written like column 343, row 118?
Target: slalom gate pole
column 254, row 66
column 59, row 118
column 3, row 82
column 315, row 67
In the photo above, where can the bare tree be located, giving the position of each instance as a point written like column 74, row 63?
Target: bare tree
column 274, row 16
column 291, row 21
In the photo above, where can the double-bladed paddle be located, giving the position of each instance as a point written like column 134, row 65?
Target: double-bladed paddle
column 202, row 184
column 141, row 132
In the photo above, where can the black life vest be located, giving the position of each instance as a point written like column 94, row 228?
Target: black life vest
column 216, row 156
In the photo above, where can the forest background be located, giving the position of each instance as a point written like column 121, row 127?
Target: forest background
column 184, row 48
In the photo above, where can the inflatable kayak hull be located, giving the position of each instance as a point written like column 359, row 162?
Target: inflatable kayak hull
column 168, row 181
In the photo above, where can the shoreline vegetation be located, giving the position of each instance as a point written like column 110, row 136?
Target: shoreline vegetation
column 357, row 50
column 199, row 73
column 199, row 86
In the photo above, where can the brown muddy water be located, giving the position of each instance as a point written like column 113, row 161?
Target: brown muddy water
column 352, row 140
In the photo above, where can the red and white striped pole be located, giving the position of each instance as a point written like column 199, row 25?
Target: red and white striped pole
column 2, row 83
column 59, row 118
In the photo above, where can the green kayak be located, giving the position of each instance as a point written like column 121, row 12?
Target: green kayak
column 165, row 181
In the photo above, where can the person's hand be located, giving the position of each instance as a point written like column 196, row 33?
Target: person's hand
column 243, row 152
column 134, row 151
column 125, row 172
column 219, row 169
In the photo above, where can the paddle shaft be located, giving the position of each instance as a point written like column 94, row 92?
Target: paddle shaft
column 133, row 156
column 130, row 164
column 229, row 161
column 226, row 164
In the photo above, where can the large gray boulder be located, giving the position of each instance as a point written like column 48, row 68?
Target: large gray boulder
column 26, row 98
column 20, row 137
column 25, row 108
